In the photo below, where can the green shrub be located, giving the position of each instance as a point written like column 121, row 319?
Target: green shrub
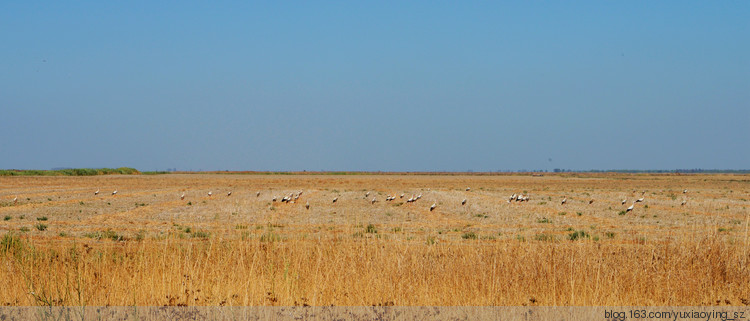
column 469, row 236
column 578, row 235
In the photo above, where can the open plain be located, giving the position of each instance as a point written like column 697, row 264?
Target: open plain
column 146, row 245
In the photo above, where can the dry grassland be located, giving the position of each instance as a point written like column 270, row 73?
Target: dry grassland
column 63, row 245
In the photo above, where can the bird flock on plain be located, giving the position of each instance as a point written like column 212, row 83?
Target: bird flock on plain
column 293, row 197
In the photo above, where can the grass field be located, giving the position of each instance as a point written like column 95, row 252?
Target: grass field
column 63, row 245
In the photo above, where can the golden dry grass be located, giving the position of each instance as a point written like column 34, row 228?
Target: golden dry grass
column 145, row 246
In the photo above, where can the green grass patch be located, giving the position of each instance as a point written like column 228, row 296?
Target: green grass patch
column 469, row 236
column 578, row 235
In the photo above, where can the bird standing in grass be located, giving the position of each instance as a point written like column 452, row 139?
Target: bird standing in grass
column 639, row 200
column 15, row 199
column 257, row 194
column 402, row 195
column 97, row 192
column 468, row 189
column 624, row 201
column 183, row 196
column 591, row 202
column 335, row 199
column 565, row 200
column 630, row 208
column 683, row 202
column 229, row 194
column 115, row 192
column 433, row 207
column 373, row 201
column 209, row 193
column 307, row 205
column 463, row 202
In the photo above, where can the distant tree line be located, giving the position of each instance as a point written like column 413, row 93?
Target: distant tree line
column 70, row 172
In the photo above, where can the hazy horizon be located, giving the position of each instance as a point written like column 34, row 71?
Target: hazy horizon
column 375, row 86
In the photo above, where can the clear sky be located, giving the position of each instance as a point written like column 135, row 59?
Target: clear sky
column 375, row 85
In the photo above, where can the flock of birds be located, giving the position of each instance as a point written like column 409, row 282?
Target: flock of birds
column 291, row 198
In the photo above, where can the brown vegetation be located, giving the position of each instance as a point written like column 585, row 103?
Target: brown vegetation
column 145, row 246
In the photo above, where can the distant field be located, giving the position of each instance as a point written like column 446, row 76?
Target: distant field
column 62, row 245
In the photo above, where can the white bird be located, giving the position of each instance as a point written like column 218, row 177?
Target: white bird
column 97, row 192
column 468, row 189
column 630, row 208
column 402, row 195
column 183, row 196
column 624, row 201
column 512, row 198
column 367, row 194
column 257, row 194
column 373, row 200
column 419, row 196
column 229, row 194
column 432, row 207
column 15, row 200
column 274, row 199
column 115, row 192
column 307, row 205
column 209, row 193
column 684, row 202
column 463, row 202
column 684, row 191
column 564, row 201
column 639, row 200
column 335, row 199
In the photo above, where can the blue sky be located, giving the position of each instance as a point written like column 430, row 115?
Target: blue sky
column 378, row 85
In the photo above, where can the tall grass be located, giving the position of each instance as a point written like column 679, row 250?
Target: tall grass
column 371, row 271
